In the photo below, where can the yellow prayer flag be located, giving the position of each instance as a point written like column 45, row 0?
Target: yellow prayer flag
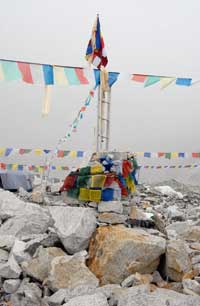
column 46, row 102
column 60, row 76
column 38, row 152
column 166, row 81
column 73, row 154
column 58, row 168
column 2, row 150
column 14, row 167
column 174, row 154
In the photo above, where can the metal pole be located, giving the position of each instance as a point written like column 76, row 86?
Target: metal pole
column 98, row 119
column 108, row 120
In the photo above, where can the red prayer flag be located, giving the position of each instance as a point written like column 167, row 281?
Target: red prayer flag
column 139, row 78
column 60, row 153
column 160, row 154
column 22, row 151
column 195, row 154
column 26, row 72
column 81, row 76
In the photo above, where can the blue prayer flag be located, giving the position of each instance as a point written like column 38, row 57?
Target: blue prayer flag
column 183, row 81
column 48, row 74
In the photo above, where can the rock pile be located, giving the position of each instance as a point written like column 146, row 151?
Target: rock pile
column 145, row 251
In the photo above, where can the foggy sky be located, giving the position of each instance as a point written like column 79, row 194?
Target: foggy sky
column 141, row 36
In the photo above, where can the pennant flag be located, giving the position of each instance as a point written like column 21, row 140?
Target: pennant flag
column 26, row 151
column 14, row 167
column 38, row 152
column 147, row 154
column 46, row 102
column 80, row 154
column 166, row 81
column 151, row 80
column 2, row 150
column 20, row 167
column 112, row 78
column 80, row 74
column 139, row 78
column 96, row 53
column 22, row 151
column 168, row 155
column 37, row 74
column 60, row 153
column 60, row 76
column 183, row 81
column 47, row 151
column 174, row 154
column 11, row 71
column 71, row 76
column 195, row 155
column 72, row 154
column 8, row 151
column 181, row 154
column 48, row 74
column 26, row 72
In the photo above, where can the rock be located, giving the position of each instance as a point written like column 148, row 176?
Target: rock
column 26, row 224
column 184, row 230
column 18, row 251
column 142, row 296
column 191, row 287
column 57, row 298
column 111, row 206
column 37, row 196
column 3, row 256
column 70, row 272
column 137, row 214
column 196, row 259
column 168, row 191
column 159, row 223
column 157, row 279
column 39, row 266
column 175, row 214
column 74, row 226
column 177, row 260
column 88, row 300
column 6, row 242
column 195, row 246
column 115, row 252
column 11, row 285
column 10, row 269
column 28, row 294
column 112, row 218
column 136, row 279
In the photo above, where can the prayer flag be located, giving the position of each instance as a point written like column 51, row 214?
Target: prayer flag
column 8, row 151
column 48, row 74
column 26, row 72
column 96, row 53
column 139, row 78
column 80, row 74
column 147, row 154
column 166, row 81
column 11, row 71
column 71, row 76
column 168, row 155
column 151, row 80
column 183, row 81
column 60, row 76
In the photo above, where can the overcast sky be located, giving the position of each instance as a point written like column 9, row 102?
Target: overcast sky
column 141, row 36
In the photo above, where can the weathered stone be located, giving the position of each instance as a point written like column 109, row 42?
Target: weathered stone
column 70, row 272
column 157, row 279
column 136, row 279
column 11, row 285
column 137, row 214
column 37, row 196
column 142, row 296
column 196, row 259
column 185, row 230
column 28, row 294
column 88, row 300
column 177, row 260
column 111, row 206
column 112, row 218
column 116, row 252
column 39, row 266
column 195, row 246
column 174, row 213
column 10, row 269
column 27, row 224
column 3, row 256
column 57, row 298
column 6, row 242
column 74, row 226
column 18, row 251
column 191, row 287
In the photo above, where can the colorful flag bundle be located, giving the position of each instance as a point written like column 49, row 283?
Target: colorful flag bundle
column 96, row 53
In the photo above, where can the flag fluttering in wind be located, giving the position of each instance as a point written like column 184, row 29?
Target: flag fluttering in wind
column 96, row 53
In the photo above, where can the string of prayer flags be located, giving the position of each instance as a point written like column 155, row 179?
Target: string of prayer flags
column 157, row 167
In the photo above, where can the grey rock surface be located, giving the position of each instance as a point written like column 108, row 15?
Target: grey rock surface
column 88, row 300
column 111, row 206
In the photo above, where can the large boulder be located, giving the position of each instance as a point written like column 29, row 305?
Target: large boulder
column 26, row 224
column 115, row 252
column 178, row 262
column 142, row 296
column 88, row 300
column 39, row 266
column 74, row 226
column 184, row 230
column 70, row 272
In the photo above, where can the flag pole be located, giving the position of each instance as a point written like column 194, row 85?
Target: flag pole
column 98, row 119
